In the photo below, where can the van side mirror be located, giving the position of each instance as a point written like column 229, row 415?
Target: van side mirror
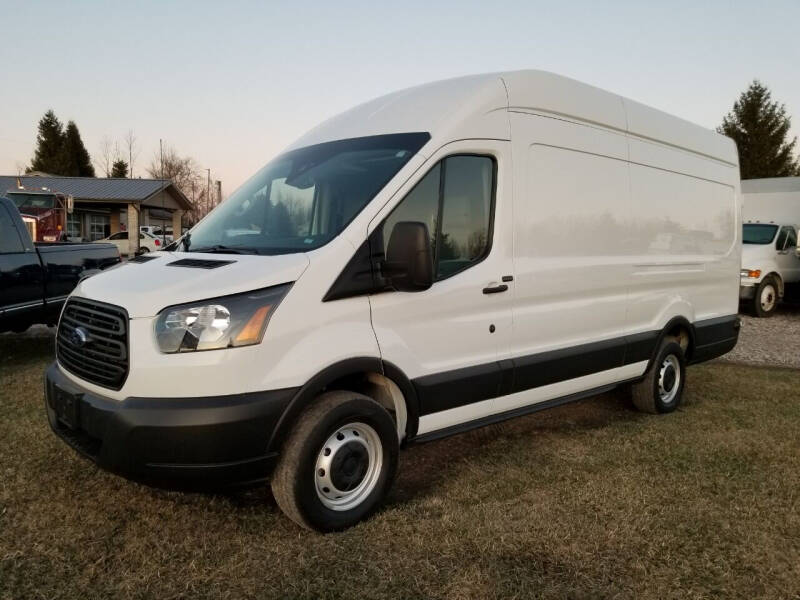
column 409, row 257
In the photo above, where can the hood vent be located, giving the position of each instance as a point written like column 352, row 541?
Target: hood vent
column 200, row 263
column 142, row 258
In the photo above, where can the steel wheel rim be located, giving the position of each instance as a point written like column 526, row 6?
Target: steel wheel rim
column 767, row 298
column 352, row 458
column 669, row 379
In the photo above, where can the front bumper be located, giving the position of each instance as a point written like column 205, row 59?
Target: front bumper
column 747, row 290
column 171, row 442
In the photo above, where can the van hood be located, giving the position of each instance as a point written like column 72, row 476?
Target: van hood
column 756, row 253
column 145, row 288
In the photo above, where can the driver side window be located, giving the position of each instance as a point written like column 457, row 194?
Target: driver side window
column 791, row 239
column 786, row 239
column 456, row 201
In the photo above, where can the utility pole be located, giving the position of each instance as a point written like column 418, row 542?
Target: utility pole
column 208, row 192
column 163, row 227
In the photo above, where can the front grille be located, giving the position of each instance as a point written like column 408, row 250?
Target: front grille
column 92, row 342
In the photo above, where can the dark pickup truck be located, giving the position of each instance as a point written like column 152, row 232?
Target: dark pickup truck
column 36, row 278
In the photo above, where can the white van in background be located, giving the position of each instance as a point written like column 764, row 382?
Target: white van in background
column 435, row 260
column 770, row 256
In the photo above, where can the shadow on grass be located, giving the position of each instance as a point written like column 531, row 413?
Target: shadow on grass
column 20, row 349
column 423, row 468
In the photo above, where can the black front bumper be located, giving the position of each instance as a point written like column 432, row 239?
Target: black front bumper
column 172, row 442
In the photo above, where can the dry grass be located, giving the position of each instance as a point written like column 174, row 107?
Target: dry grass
column 589, row 500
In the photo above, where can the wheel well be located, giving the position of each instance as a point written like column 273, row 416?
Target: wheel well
column 380, row 388
column 681, row 333
column 777, row 278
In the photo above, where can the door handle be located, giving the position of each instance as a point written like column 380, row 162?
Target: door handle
column 495, row 289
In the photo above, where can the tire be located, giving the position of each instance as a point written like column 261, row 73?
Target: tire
column 309, row 479
column 661, row 390
column 765, row 299
column 144, row 250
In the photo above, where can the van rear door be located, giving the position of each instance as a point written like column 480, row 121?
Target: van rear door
column 449, row 338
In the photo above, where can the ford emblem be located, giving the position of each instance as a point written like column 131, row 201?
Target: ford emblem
column 79, row 337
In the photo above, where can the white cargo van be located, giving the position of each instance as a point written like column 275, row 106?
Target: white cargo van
column 770, row 256
column 437, row 259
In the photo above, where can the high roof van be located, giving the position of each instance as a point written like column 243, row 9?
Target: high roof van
column 435, row 260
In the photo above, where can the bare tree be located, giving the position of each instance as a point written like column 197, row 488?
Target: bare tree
column 133, row 151
column 182, row 170
column 105, row 156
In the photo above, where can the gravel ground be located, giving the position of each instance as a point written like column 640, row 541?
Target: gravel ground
column 772, row 341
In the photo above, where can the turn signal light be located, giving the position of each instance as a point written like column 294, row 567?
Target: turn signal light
column 754, row 274
column 254, row 329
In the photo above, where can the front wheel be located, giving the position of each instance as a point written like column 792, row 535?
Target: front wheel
column 765, row 300
column 662, row 387
column 338, row 463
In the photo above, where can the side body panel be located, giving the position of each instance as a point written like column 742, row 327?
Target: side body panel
column 571, row 203
column 686, row 250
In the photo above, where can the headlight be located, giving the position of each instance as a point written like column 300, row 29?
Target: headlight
column 753, row 274
column 226, row 322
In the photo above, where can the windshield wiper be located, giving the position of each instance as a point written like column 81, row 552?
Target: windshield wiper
column 220, row 249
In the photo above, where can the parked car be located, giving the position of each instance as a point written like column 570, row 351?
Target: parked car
column 394, row 277
column 770, row 260
column 147, row 242
column 35, row 278
column 158, row 232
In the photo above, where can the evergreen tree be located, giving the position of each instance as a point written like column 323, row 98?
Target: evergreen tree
column 75, row 159
column 760, row 128
column 119, row 168
column 49, row 144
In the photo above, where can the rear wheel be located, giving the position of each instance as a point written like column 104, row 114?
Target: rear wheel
column 144, row 250
column 661, row 389
column 338, row 463
column 765, row 300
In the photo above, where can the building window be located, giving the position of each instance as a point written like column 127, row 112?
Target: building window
column 99, row 227
column 74, row 226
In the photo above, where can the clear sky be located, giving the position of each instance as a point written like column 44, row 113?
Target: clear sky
column 232, row 83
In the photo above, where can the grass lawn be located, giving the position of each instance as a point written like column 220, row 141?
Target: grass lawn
column 584, row 501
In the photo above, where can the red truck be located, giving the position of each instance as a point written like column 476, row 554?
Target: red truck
column 44, row 213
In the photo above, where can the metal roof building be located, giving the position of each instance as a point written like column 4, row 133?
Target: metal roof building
column 95, row 189
column 104, row 206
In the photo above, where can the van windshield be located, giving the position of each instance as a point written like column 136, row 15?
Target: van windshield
column 305, row 197
column 758, row 234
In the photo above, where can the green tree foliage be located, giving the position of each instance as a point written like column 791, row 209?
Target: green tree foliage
column 49, row 144
column 75, row 160
column 60, row 151
column 760, row 127
column 119, row 168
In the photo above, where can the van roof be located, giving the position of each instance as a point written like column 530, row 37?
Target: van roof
column 771, row 185
column 475, row 107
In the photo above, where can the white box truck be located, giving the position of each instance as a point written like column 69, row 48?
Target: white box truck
column 770, row 257
column 431, row 261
